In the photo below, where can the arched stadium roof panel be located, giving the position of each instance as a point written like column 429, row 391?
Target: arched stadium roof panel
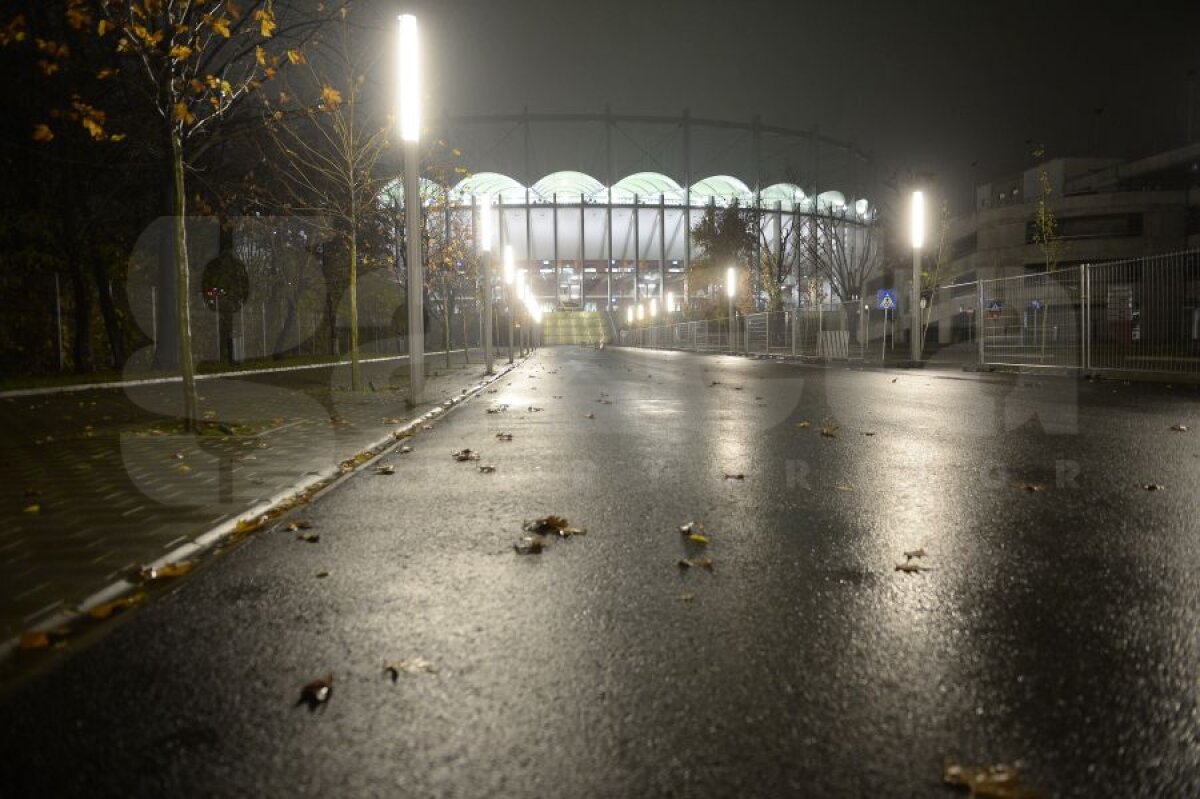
column 723, row 188
column 491, row 183
column 567, row 183
column 862, row 207
column 788, row 195
column 831, row 200
column 648, row 187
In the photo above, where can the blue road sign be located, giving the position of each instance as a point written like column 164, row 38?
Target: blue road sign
column 995, row 306
column 885, row 300
column 1036, row 305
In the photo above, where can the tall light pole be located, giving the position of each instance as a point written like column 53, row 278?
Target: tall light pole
column 485, row 248
column 918, row 241
column 522, row 294
column 510, row 274
column 730, row 290
column 409, row 100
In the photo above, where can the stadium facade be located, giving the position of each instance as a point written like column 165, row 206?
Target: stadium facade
column 596, row 245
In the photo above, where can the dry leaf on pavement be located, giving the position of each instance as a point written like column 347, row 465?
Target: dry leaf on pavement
column 829, row 432
column 310, row 538
column 1179, row 428
column 997, row 781
column 530, row 545
column 403, row 450
column 316, row 692
column 385, row 468
column 166, row 571
column 465, row 454
column 486, row 468
column 413, row 665
column 297, row 524
column 738, row 476
column 108, row 609
column 696, row 563
column 914, row 553
column 504, row 437
column 908, row 567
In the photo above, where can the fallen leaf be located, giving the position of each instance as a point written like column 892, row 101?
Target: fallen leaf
column 530, row 545
column 385, row 468
column 696, row 538
column 735, row 476
column 316, row 692
column 589, row 416
column 249, row 525
column 714, row 383
column 403, row 450
column 546, row 524
column 322, row 575
column 166, row 571
column 500, row 408
column 533, row 409
column 690, row 527
column 894, row 379
column 997, row 781
column 829, row 432
column 686, row 596
column 914, row 553
column 1154, row 487
column 911, row 568
column 34, row 639
column 465, row 454
column 413, row 665
column 297, row 524
column 696, row 563
column 486, row 468
column 34, row 508
column 310, row 538
column 1179, row 428
column 868, row 434
column 504, row 436
column 1032, row 487
column 105, row 611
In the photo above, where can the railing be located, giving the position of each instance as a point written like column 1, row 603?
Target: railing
column 1140, row 315
column 826, row 333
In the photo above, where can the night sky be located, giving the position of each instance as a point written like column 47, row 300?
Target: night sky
column 930, row 86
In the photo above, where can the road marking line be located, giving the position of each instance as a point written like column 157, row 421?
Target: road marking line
column 174, row 541
column 29, row 591
column 42, row 611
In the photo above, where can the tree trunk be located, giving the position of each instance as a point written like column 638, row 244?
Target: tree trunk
column 108, row 310
column 166, row 334
column 81, row 344
column 355, row 371
column 447, row 306
column 186, row 365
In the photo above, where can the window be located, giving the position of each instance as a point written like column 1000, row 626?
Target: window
column 1102, row 226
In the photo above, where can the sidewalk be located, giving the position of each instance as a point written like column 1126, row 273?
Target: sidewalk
column 96, row 483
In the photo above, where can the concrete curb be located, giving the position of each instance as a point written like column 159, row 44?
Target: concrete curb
column 317, row 483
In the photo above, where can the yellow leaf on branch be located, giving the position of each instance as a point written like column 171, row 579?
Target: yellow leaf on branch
column 295, row 56
column 42, row 133
column 181, row 113
column 331, row 98
column 181, row 52
column 266, row 21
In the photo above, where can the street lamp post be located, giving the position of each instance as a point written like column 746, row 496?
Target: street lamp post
column 485, row 246
column 918, row 241
column 408, row 80
column 509, row 274
column 730, row 290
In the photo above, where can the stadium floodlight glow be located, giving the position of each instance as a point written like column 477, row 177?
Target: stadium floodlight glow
column 641, row 312
column 629, row 314
column 670, row 302
column 485, row 223
column 731, row 282
column 408, row 80
column 510, row 271
column 653, row 307
column 918, row 220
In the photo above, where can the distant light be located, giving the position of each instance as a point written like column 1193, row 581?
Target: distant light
column 653, row 307
column 731, row 282
column 670, row 302
column 641, row 312
column 409, row 80
column 674, row 263
column 918, row 220
column 545, row 263
column 485, row 223
column 629, row 314
column 509, row 271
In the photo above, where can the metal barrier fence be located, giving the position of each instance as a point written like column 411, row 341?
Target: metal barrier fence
column 828, row 333
column 1139, row 315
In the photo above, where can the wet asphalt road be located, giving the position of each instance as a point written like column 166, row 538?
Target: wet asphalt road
column 1057, row 628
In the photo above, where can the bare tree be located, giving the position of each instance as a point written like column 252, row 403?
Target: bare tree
column 842, row 252
column 325, row 147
